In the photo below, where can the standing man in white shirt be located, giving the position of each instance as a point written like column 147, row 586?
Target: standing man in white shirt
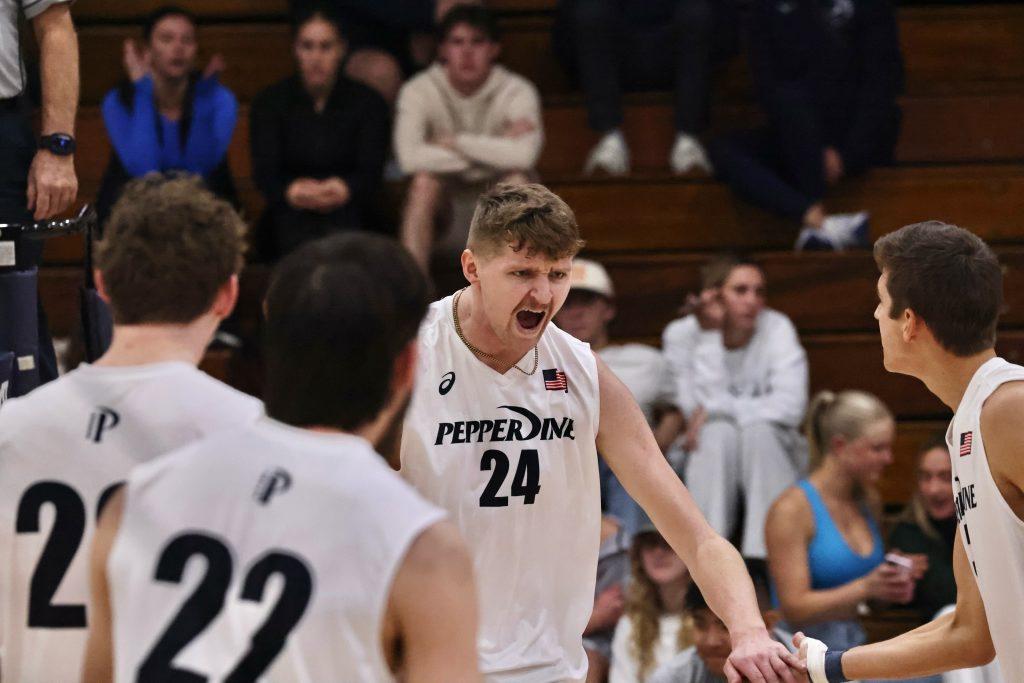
column 504, row 431
column 460, row 125
column 586, row 314
column 742, row 382
column 168, row 267
column 940, row 294
column 37, row 176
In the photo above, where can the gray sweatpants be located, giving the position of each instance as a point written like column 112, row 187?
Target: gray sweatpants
column 757, row 461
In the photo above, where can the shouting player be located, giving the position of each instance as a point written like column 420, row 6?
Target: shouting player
column 168, row 268
column 504, row 432
column 940, row 294
column 289, row 551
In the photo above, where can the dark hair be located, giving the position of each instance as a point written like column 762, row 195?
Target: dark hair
column 715, row 272
column 319, row 10
column 694, row 599
column 949, row 278
column 161, row 13
column 168, row 247
column 476, row 16
column 339, row 310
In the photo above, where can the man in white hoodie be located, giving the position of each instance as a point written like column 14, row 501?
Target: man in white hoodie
column 461, row 125
column 742, row 381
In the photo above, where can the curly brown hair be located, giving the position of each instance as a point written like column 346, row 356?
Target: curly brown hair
column 524, row 216
column 644, row 609
column 167, row 249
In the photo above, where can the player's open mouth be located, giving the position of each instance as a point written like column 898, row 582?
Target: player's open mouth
column 529, row 320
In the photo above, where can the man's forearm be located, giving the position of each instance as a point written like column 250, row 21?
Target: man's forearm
column 58, row 48
column 723, row 580
column 941, row 645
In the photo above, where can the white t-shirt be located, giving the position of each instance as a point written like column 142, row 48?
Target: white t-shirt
column 766, row 380
column 645, row 372
column 62, row 449
column 993, row 536
column 318, row 520
column 513, row 460
column 624, row 667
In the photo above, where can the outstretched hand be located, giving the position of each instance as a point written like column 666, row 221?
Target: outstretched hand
column 756, row 657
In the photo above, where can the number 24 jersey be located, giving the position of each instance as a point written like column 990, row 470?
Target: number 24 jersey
column 513, row 460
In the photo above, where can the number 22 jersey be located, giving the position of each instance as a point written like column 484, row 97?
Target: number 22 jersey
column 513, row 460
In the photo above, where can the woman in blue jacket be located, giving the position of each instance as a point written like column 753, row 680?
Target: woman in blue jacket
column 167, row 116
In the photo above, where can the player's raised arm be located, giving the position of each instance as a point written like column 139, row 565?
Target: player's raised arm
column 628, row 446
column 98, row 666
column 958, row 640
column 433, row 609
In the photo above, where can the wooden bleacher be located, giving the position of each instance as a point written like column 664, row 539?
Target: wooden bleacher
column 960, row 158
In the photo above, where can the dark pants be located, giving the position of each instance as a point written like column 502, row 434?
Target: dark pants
column 779, row 166
column 17, row 148
column 610, row 53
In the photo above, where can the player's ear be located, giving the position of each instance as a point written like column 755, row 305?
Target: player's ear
column 227, row 297
column 470, row 267
column 910, row 325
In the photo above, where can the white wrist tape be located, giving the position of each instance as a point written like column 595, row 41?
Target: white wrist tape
column 813, row 652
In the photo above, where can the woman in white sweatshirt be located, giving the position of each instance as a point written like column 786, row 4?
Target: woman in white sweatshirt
column 742, row 382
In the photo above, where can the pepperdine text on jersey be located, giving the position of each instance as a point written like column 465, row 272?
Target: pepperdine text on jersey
column 505, row 429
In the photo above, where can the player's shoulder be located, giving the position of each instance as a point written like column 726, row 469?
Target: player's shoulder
column 433, row 323
column 562, row 339
column 635, row 352
column 214, row 400
column 36, row 409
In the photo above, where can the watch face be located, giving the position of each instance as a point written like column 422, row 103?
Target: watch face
column 59, row 144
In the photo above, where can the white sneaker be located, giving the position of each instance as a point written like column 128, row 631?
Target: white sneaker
column 610, row 155
column 848, row 230
column 688, row 155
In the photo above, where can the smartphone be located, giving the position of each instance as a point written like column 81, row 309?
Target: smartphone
column 904, row 563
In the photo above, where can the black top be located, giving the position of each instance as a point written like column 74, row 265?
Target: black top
column 349, row 139
column 937, row 588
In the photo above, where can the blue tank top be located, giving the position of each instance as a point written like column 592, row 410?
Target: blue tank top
column 831, row 560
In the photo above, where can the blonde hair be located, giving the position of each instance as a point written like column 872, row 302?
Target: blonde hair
column 524, row 216
column 846, row 414
column 644, row 609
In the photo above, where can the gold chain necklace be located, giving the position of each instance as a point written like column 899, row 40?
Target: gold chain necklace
column 484, row 354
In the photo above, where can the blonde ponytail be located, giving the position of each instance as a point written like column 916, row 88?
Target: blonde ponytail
column 846, row 414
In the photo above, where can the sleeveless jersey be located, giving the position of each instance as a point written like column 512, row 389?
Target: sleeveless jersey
column 513, row 460
column 992, row 534
column 62, row 449
column 261, row 554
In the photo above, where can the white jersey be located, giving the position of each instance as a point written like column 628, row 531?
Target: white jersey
column 288, row 540
column 513, row 460
column 992, row 534
column 63, row 448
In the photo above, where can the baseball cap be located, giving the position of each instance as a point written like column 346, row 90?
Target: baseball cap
column 592, row 277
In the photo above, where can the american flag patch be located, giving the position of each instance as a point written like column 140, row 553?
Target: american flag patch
column 555, row 380
column 965, row 443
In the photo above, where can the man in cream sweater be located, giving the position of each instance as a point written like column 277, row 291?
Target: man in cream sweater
column 461, row 125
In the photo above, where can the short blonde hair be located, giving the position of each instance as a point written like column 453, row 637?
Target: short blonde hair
column 524, row 216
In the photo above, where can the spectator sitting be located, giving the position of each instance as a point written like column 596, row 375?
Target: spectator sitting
column 652, row 630
column 654, row 45
column 167, row 116
column 741, row 378
column 704, row 662
column 825, row 550
column 612, row 573
column 319, row 140
column 927, row 528
column 827, row 73
column 586, row 314
column 460, row 125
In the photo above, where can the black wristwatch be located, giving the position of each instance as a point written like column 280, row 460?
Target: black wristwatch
column 61, row 144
